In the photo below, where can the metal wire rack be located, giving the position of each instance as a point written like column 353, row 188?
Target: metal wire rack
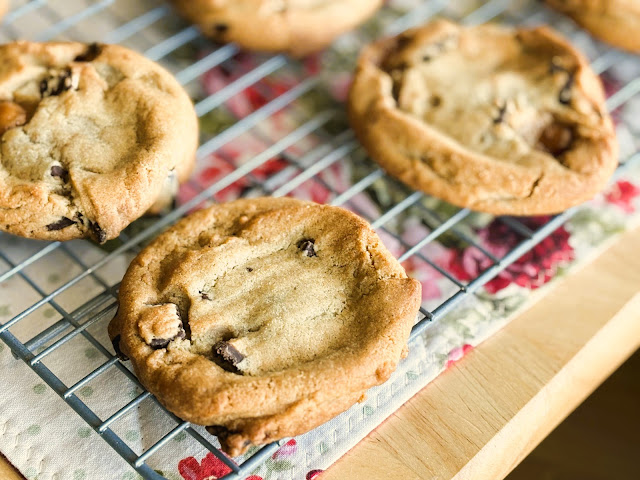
column 149, row 26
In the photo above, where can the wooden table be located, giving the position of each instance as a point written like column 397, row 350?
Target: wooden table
column 480, row 418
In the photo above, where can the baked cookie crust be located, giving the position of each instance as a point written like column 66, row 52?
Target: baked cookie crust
column 296, row 27
column 616, row 22
column 497, row 120
column 264, row 318
column 90, row 137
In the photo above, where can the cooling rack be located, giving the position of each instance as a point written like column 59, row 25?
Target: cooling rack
column 311, row 146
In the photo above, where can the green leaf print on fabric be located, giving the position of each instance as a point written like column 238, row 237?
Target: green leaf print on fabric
column 368, row 410
column 39, row 389
column 279, row 465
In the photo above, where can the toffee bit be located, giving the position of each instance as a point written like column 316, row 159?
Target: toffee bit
column 556, row 139
column 64, row 222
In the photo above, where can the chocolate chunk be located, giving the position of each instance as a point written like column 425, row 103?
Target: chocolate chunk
column 556, row 139
column 158, row 343
column 438, row 48
column 64, row 222
column 220, row 28
column 116, row 347
column 93, row 50
column 99, row 234
column 219, row 431
column 204, row 295
column 395, row 91
column 58, row 171
column 564, row 96
column 228, row 352
column 502, row 110
column 227, row 356
column 56, row 84
column 308, row 248
column 555, row 68
column 185, row 329
column 436, row 101
column 181, row 333
column 249, row 269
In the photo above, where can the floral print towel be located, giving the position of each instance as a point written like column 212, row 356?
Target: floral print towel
column 45, row 439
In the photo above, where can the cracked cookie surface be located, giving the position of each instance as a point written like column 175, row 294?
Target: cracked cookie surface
column 498, row 120
column 614, row 21
column 297, row 27
column 264, row 318
column 91, row 135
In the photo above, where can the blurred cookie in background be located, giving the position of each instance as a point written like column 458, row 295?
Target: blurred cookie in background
column 616, row 22
column 296, row 27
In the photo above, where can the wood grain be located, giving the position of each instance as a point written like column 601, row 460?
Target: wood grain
column 481, row 417
column 7, row 472
column 599, row 440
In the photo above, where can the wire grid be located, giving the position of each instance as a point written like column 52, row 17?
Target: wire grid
column 149, row 26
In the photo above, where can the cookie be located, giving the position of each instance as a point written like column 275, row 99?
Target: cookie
column 91, row 137
column 498, row 120
column 264, row 318
column 614, row 21
column 297, row 27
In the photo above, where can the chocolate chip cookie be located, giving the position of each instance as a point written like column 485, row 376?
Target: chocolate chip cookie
column 298, row 27
column 497, row 120
column 91, row 137
column 614, row 21
column 264, row 318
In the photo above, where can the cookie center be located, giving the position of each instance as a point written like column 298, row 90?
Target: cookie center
column 71, row 117
column 488, row 90
column 265, row 293
column 274, row 311
column 68, row 118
